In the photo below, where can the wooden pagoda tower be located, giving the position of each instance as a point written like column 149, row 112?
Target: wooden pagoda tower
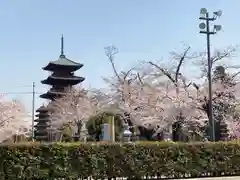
column 61, row 79
column 62, row 76
column 41, row 128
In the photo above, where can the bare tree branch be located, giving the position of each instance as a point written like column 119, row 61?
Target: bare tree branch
column 235, row 75
column 110, row 52
column 164, row 71
column 180, row 63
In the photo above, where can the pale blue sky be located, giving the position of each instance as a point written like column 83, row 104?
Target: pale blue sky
column 141, row 29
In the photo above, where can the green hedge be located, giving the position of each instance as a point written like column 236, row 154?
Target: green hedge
column 71, row 161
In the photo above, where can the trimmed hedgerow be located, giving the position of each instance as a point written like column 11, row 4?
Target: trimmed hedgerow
column 105, row 160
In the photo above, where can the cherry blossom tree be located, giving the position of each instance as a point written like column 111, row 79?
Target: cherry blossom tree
column 181, row 105
column 157, row 96
column 151, row 96
column 192, row 104
column 13, row 119
column 225, row 88
column 73, row 110
column 125, row 94
column 220, row 57
column 120, row 87
column 225, row 102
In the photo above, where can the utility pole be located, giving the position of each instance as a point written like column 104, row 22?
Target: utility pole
column 205, row 29
column 33, row 109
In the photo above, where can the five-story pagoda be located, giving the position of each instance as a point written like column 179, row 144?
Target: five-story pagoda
column 62, row 76
column 61, row 79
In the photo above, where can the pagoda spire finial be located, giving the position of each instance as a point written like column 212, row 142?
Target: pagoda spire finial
column 62, row 46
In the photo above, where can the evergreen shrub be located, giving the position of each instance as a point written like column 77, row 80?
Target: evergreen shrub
column 105, row 160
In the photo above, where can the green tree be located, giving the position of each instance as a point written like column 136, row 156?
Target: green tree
column 67, row 133
column 94, row 125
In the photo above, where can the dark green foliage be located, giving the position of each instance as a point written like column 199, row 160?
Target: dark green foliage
column 221, row 130
column 72, row 161
column 145, row 133
column 67, row 133
column 94, row 125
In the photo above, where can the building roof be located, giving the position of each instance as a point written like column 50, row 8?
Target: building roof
column 71, row 80
column 51, row 96
column 39, row 125
column 63, row 62
column 45, row 119
column 42, row 109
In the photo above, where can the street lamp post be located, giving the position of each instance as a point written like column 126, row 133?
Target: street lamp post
column 205, row 29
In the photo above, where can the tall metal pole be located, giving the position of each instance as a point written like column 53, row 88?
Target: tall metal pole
column 206, row 30
column 33, row 109
column 210, row 103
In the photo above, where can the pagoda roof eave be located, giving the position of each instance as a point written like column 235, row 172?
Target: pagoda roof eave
column 53, row 67
column 51, row 96
column 56, row 93
column 47, row 96
column 72, row 78
column 42, row 120
column 50, row 80
column 42, row 109
column 39, row 125
column 63, row 62
column 43, row 114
